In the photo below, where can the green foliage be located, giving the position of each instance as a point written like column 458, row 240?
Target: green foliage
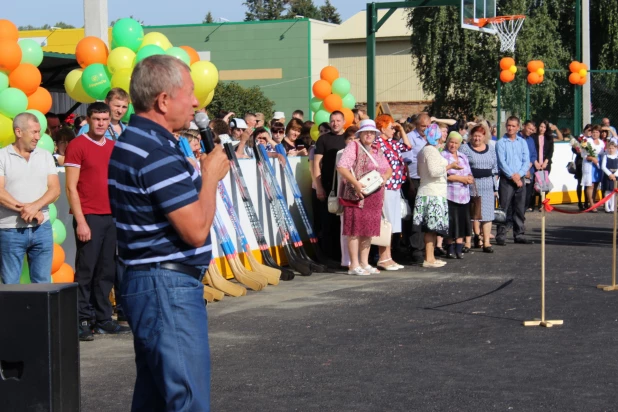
column 208, row 18
column 329, row 13
column 288, row 9
column 304, row 8
column 265, row 9
column 60, row 25
column 235, row 98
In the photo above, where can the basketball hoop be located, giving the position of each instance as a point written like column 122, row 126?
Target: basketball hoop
column 506, row 28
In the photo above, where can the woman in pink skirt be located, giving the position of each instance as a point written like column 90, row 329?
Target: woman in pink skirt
column 362, row 214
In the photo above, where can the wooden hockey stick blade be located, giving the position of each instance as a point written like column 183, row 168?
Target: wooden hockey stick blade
column 272, row 275
column 251, row 273
column 217, row 281
column 296, row 264
column 242, row 277
column 286, row 274
column 212, row 294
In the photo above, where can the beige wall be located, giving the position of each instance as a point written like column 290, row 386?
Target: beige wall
column 319, row 49
column 396, row 80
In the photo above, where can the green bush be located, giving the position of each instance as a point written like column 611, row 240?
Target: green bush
column 232, row 97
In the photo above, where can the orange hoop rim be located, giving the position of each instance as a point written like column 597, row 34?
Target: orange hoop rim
column 498, row 19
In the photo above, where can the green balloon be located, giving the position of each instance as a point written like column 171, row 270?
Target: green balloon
column 46, row 143
column 128, row 114
column 315, row 104
column 31, row 52
column 341, row 87
column 179, row 53
column 349, row 102
column 148, row 51
column 4, row 81
column 24, row 279
column 321, row 116
column 41, row 117
column 96, row 82
column 13, row 102
column 59, row 232
column 53, row 213
column 127, row 33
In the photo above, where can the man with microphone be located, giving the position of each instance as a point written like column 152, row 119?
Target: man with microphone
column 164, row 211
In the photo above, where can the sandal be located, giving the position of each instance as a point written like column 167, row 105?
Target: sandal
column 436, row 264
column 359, row 271
column 392, row 266
column 371, row 270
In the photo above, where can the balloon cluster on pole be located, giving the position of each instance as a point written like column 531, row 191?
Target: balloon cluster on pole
column 20, row 81
column 579, row 72
column 331, row 93
column 61, row 272
column 102, row 69
column 507, row 69
column 536, row 71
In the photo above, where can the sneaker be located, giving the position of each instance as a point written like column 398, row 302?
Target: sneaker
column 110, row 327
column 85, row 333
column 359, row 271
column 436, row 264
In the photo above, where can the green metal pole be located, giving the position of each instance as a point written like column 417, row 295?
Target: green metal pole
column 372, row 21
column 499, row 109
column 577, row 107
column 527, row 101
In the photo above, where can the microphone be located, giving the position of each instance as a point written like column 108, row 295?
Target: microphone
column 202, row 121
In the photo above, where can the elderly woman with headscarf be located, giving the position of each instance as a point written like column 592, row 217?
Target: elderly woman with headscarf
column 457, row 195
column 362, row 214
column 431, row 207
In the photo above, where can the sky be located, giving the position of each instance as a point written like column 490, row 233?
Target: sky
column 40, row 12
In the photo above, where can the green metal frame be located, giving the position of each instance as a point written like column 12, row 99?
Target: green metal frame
column 373, row 25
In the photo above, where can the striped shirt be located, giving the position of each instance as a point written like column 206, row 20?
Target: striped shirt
column 149, row 178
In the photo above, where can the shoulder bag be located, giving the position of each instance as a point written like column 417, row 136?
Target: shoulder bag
column 406, row 211
column 475, row 205
column 571, row 168
column 371, row 181
column 386, row 230
column 333, row 201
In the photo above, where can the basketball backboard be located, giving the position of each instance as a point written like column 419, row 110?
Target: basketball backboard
column 473, row 10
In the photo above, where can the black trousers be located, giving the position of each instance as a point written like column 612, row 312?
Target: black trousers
column 95, row 268
column 330, row 242
column 513, row 202
column 416, row 237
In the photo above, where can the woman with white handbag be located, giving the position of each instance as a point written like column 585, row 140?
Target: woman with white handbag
column 365, row 169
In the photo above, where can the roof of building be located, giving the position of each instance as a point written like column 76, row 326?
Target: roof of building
column 355, row 28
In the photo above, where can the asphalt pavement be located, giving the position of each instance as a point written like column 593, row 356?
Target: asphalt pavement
column 448, row 339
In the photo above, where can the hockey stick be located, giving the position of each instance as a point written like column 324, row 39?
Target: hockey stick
column 214, row 279
column 271, row 274
column 257, row 226
column 279, row 200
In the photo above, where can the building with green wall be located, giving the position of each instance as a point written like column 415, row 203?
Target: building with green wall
column 282, row 57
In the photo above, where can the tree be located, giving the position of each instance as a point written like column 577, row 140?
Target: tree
column 265, row 9
column 208, row 18
column 329, row 13
column 59, row 25
column 235, row 98
column 304, row 8
column 131, row 16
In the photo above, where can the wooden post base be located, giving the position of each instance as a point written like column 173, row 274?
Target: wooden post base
column 545, row 323
column 607, row 288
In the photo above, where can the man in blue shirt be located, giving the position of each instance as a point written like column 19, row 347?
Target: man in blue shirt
column 164, row 211
column 527, row 133
column 118, row 101
column 513, row 164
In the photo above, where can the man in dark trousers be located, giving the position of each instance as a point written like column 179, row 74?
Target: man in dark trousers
column 86, row 162
column 164, row 210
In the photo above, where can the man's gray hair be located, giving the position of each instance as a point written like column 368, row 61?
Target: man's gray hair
column 155, row 75
column 21, row 120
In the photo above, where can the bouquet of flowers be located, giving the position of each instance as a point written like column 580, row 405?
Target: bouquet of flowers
column 575, row 144
column 588, row 149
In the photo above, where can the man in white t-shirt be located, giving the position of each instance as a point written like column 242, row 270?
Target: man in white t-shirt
column 28, row 184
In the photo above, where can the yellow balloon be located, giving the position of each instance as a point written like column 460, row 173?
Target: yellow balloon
column 541, row 72
column 205, row 78
column 120, row 58
column 156, row 38
column 73, row 87
column 315, row 131
column 513, row 69
column 6, row 131
column 205, row 102
column 583, row 72
column 122, row 79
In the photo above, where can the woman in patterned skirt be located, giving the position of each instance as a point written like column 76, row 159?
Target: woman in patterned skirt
column 431, row 208
column 484, row 166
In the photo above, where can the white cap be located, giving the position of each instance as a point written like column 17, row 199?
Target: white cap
column 238, row 124
column 279, row 115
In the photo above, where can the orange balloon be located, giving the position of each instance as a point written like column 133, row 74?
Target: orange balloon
column 535, row 65
column 192, row 54
column 348, row 116
column 330, row 74
column 321, row 89
column 582, row 80
column 8, row 31
column 40, row 100
column 534, row 78
column 58, row 258
column 507, row 76
column 583, row 66
column 91, row 50
column 10, row 55
column 333, row 102
column 26, row 78
column 575, row 67
column 506, row 63
column 64, row 275
column 574, row 78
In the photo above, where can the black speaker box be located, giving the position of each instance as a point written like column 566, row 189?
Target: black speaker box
column 39, row 348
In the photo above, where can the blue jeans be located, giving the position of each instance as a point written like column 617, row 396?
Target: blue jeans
column 36, row 243
column 167, row 315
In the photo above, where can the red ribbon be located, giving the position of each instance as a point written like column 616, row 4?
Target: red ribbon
column 601, row 202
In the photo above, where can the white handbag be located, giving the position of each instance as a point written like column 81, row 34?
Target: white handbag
column 333, row 200
column 386, row 230
column 371, row 181
column 406, row 211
